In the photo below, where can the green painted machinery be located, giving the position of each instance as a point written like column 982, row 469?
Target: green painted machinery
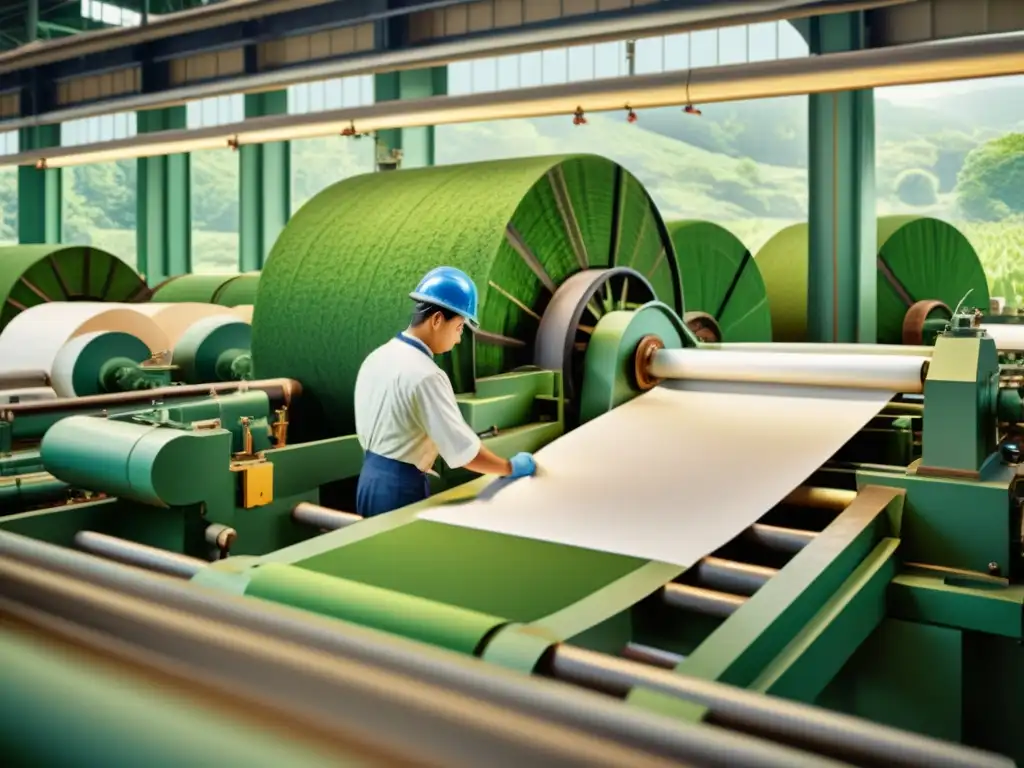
column 90, row 643
column 114, row 373
column 888, row 586
column 890, row 592
column 249, row 477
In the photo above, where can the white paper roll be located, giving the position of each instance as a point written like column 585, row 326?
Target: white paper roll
column 26, row 395
column 893, row 373
column 676, row 473
column 1008, row 337
column 175, row 319
column 32, row 339
column 243, row 312
column 811, row 348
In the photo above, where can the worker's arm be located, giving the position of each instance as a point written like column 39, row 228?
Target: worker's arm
column 489, row 463
column 459, row 445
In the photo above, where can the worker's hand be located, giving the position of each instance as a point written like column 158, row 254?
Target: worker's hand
column 523, row 465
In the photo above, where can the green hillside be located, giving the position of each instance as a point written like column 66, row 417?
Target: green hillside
column 743, row 165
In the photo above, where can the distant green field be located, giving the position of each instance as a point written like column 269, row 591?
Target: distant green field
column 1000, row 247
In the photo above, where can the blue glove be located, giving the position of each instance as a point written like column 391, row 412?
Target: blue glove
column 523, row 465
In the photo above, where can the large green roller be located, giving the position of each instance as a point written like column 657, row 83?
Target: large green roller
column 336, row 284
column 925, row 268
column 725, row 295
column 226, row 290
column 37, row 274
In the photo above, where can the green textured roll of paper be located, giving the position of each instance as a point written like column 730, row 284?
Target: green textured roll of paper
column 37, row 274
column 919, row 259
column 225, row 290
column 721, row 278
column 238, row 291
column 336, row 284
column 446, row 626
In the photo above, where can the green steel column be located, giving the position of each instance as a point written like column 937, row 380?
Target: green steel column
column 264, row 178
column 164, row 204
column 417, row 144
column 39, row 192
column 842, row 273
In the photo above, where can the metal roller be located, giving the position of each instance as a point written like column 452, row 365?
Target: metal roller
column 139, row 555
column 731, row 576
column 840, row 736
column 324, row 518
column 709, row 602
column 779, row 539
column 897, row 373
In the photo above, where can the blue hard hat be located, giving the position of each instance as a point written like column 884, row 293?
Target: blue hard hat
column 449, row 288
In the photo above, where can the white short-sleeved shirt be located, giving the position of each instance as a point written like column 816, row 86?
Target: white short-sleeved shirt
column 405, row 408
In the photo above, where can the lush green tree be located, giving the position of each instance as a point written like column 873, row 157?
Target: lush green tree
column 990, row 185
column 8, row 204
column 917, row 187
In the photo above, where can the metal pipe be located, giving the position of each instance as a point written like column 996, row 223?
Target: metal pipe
column 641, row 23
column 191, row 20
column 307, row 513
column 24, row 379
column 841, row 736
column 280, row 392
column 903, row 373
column 706, row 601
column 873, row 68
column 139, row 555
column 787, row 540
column 731, row 576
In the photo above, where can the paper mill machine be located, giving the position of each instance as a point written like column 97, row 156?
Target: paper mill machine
column 78, row 337
column 796, row 557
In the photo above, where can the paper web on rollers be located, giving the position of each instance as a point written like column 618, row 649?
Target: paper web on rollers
column 1008, row 338
column 676, row 473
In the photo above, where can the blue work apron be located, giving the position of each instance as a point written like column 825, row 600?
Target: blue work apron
column 387, row 484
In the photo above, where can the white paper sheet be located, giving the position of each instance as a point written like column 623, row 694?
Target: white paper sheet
column 676, row 473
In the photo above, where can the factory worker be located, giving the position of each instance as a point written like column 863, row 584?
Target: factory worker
column 405, row 407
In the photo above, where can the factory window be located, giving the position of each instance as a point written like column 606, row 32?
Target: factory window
column 317, row 163
column 98, row 201
column 109, row 13
column 214, row 188
column 8, row 191
column 955, row 151
column 742, row 165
